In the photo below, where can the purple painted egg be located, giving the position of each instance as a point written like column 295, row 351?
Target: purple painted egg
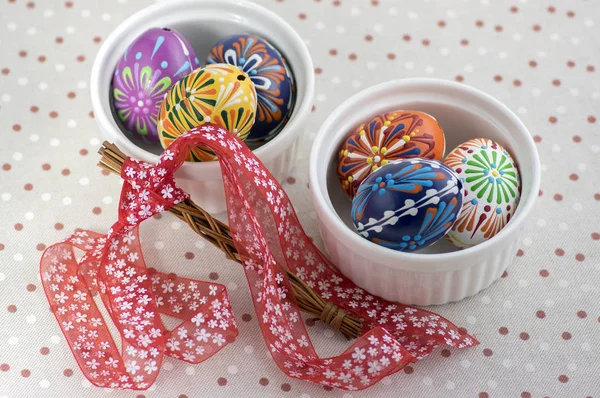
column 155, row 60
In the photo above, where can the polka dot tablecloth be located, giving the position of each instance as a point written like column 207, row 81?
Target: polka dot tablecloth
column 539, row 325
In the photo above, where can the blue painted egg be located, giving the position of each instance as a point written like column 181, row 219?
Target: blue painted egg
column 271, row 76
column 151, row 64
column 408, row 204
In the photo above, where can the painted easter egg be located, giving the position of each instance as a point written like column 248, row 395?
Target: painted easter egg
column 407, row 204
column 395, row 135
column 149, row 67
column 491, row 190
column 220, row 94
column 270, row 74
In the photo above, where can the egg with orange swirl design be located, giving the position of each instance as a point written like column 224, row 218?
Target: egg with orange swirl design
column 220, row 94
column 395, row 135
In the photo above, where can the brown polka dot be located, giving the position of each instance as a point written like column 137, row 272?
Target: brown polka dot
column 520, row 253
column 1, row 246
column 310, row 322
column 246, row 317
column 352, row 57
column 34, row 109
column 58, row 226
column 533, row 64
column 183, row 396
column 221, row 381
column 524, row 336
column 40, row 247
column 263, row 381
column 53, row 114
column 189, row 255
column 31, row 287
column 368, row 38
column 503, row 331
column 59, row 40
column 597, row 196
column 479, row 23
column 498, row 28
column 464, row 42
column 551, row 9
column 540, row 192
column 591, row 119
column 5, row 71
column 570, row 14
column 68, row 372
column 573, row 177
column 6, row 166
column 105, row 172
column 544, row 273
column 558, row 197
column 22, row 53
column 5, row 367
column 157, row 216
column 16, row 127
column 97, row 39
column 12, row 308
column 333, row 52
column 566, row 336
column 337, row 3
column 391, row 56
column 425, row 42
column 517, row 83
column 406, row 37
column 28, row 187
column 504, row 274
column 590, row 68
column 213, row 276
column 514, row 9
column 441, row 24
column 80, row 58
column 595, row 236
column 42, row 58
column 408, row 370
column 540, row 314
column 484, row 395
column 570, row 64
column 559, row 252
column 313, row 108
column 18, row 226
column 459, row 78
column 525, row 394
column 537, row 28
column 374, row 3
column 44, row 350
column 576, row 138
column 581, row 314
column 327, row 388
column 291, row 180
column 552, row 119
column 91, row 114
column 563, row 378
column 498, row 78
column 286, row 387
column 556, row 82
column 96, row 210
column 487, row 352
column 71, row 95
column 140, row 396
column 445, row 353
column 580, row 257
column 65, row 172
column 318, row 71
column 83, row 152
column 537, row 138
column 25, row 373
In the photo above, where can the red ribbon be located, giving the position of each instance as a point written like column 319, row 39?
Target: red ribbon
column 270, row 239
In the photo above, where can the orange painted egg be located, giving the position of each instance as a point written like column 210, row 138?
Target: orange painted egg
column 385, row 138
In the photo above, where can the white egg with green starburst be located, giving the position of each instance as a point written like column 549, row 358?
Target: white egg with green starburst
column 491, row 190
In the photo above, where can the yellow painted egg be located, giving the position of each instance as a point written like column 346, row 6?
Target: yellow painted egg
column 220, row 94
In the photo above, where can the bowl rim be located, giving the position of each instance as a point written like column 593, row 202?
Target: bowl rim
column 201, row 170
column 416, row 262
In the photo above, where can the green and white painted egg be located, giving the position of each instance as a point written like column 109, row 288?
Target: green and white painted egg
column 491, row 190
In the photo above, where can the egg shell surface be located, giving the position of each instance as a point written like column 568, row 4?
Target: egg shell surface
column 408, row 204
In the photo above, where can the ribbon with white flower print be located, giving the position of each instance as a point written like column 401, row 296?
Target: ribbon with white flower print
column 269, row 239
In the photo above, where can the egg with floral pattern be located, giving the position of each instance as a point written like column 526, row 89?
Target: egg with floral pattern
column 220, row 94
column 394, row 135
column 271, row 76
column 491, row 189
column 151, row 64
column 408, row 204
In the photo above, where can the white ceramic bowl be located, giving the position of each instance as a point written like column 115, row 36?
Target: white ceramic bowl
column 204, row 23
column 441, row 273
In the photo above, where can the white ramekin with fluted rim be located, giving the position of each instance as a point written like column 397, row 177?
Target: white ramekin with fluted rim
column 204, row 23
column 441, row 273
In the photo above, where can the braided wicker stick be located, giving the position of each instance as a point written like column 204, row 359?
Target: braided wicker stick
column 218, row 234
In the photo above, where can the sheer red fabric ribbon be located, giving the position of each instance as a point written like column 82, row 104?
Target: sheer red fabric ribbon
column 270, row 239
